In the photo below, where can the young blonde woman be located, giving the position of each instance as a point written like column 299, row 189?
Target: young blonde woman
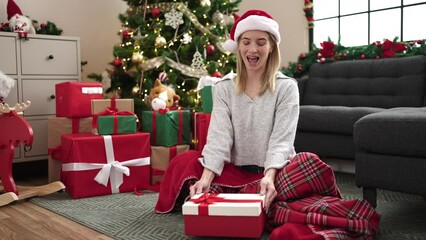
column 250, row 139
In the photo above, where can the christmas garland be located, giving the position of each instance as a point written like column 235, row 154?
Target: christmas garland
column 330, row 52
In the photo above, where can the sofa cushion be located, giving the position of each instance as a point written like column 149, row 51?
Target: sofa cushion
column 384, row 83
column 331, row 119
column 399, row 131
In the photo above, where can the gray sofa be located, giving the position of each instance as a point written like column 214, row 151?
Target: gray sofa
column 363, row 110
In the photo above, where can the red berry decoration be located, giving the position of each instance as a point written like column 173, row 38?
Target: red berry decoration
column 362, row 56
column 117, row 62
column 419, row 41
column 299, row 67
column 411, row 43
column 43, row 25
column 302, row 56
column 322, row 60
column 217, row 74
column 210, row 50
column 155, row 11
column 345, row 55
column 377, row 57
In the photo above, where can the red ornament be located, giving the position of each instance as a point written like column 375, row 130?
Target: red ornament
column 302, row 56
column 411, row 43
column 377, row 57
column 210, row 50
column 217, row 74
column 419, row 41
column 117, row 62
column 125, row 34
column 155, row 11
column 362, row 56
column 322, row 60
column 43, row 25
column 299, row 67
column 345, row 55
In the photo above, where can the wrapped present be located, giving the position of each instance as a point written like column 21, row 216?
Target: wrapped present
column 74, row 99
column 114, row 104
column 205, row 85
column 94, row 165
column 167, row 129
column 56, row 126
column 201, row 122
column 224, row 215
column 160, row 159
column 118, row 123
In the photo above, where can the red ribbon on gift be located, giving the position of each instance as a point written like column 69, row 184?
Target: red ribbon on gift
column 154, row 126
column 111, row 112
column 211, row 198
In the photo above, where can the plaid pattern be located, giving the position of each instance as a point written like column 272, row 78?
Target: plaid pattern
column 308, row 195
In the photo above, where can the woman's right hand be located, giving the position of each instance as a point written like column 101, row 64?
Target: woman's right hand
column 202, row 185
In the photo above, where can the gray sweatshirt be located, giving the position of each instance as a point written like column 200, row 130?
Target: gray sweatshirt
column 247, row 131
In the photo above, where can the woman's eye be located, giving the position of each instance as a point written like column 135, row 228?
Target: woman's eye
column 261, row 42
column 246, row 42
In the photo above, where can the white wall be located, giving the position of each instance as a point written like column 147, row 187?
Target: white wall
column 96, row 23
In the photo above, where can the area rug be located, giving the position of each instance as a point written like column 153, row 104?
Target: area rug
column 128, row 216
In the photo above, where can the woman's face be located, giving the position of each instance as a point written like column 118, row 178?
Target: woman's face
column 254, row 47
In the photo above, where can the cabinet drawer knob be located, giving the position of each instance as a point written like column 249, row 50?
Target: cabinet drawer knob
column 50, row 57
column 52, row 96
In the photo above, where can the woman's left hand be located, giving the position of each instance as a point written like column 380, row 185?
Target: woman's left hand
column 267, row 187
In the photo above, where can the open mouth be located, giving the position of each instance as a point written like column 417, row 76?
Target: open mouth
column 252, row 59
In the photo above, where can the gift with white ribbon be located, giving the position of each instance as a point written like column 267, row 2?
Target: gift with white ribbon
column 112, row 170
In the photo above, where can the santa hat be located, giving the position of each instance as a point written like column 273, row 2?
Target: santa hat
column 252, row 20
column 12, row 9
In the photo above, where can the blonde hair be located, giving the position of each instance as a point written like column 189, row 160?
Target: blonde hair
column 273, row 64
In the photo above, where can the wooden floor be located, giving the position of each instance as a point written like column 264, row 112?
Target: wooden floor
column 24, row 220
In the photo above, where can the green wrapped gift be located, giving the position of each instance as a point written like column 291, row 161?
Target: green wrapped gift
column 116, row 124
column 206, row 99
column 168, row 129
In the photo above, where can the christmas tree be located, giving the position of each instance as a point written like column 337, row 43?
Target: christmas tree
column 177, row 42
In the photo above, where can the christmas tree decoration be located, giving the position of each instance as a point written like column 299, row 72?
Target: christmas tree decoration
column 174, row 18
column 175, row 41
column 117, row 62
column 160, row 42
column 163, row 76
column 155, row 12
column 205, row 3
column 219, row 18
column 210, row 50
column 217, row 74
column 197, row 61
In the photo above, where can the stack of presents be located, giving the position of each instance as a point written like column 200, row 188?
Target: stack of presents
column 99, row 146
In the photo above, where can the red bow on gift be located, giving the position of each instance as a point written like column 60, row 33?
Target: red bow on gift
column 210, row 198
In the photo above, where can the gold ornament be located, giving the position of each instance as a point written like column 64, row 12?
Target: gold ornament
column 137, row 57
column 219, row 18
column 160, row 42
column 205, row 3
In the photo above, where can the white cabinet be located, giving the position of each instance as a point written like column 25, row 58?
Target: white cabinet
column 38, row 64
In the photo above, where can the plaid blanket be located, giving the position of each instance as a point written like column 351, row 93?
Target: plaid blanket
column 308, row 205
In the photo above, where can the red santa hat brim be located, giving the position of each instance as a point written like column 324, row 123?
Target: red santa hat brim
column 252, row 20
column 12, row 9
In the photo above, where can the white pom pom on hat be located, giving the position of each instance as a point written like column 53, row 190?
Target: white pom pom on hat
column 252, row 20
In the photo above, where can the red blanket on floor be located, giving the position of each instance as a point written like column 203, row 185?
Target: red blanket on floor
column 308, row 204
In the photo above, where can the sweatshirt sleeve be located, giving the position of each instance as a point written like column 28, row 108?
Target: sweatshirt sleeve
column 281, row 143
column 220, row 135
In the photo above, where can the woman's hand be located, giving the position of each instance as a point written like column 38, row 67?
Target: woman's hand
column 267, row 187
column 202, row 185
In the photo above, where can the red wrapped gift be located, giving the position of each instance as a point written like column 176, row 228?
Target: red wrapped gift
column 224, row 215
column 202, row 122
column 95, row 165
column 74, row 99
